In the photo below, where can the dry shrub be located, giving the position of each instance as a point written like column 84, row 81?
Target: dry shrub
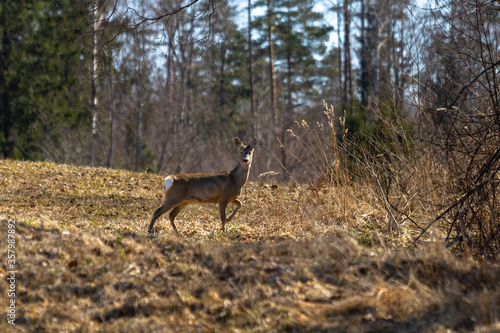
column 440, row 193
column 324, row 160
column 406, row 185
column 460, row 111
column 376, row 186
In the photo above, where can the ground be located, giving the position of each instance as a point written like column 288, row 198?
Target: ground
column 293, row 259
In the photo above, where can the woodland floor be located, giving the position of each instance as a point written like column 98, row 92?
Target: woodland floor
column 293, row 259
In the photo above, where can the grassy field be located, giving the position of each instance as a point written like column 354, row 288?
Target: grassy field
column 295, row 258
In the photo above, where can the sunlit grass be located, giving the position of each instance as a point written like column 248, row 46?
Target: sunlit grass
column 292, row 259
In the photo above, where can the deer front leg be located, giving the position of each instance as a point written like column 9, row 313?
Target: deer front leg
column 222, row 213
column 238, row 206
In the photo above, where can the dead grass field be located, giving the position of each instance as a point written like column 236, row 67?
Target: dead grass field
column 294, row 259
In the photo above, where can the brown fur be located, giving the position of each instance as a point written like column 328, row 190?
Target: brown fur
column 220, row 187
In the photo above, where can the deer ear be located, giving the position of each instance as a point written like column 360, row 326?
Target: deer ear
column 237, row 142
column 253, row 143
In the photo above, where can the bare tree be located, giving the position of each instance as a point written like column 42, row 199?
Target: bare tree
column 111, row 103
column 272, row 76
column 98, row 21
column 250, row 69
column 347, row 54
column 462, row 102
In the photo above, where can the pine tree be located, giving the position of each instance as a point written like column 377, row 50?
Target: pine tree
column 39, row 62
column 299, row 38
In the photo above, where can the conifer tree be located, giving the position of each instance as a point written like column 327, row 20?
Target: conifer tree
column 40, row 58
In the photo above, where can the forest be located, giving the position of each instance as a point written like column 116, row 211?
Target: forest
column 402, row 96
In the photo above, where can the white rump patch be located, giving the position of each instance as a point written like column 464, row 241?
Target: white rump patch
column 169, row 181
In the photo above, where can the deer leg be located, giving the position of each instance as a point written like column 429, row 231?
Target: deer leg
column 177, row 209
column 222, row 212
column 238, row 206
column 160, row 211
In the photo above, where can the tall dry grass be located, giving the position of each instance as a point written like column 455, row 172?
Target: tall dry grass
column 323, row 158
column 398, row 185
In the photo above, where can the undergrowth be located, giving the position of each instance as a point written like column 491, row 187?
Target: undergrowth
column 293, row 259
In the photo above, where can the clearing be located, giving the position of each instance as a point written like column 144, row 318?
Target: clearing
column 293, row 259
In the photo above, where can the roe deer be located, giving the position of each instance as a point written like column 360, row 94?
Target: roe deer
column 220, row 187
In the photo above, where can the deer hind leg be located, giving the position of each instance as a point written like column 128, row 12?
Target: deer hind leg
column 238, row 206
column 177, row 209
column 169, row 204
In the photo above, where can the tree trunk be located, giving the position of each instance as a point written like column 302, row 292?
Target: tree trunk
column 93, row 108
column 140, row 95
column 347, row 55
column 111, row 111
column 365, row 57
column 170, row 54
column 341, row 90
column 221, row 85
column 138, row 141
column 274, row 109
column 288, row 112
column 169, row 89
column 379, row 43
column 273, row 133
column 183, row 131
column 250, row 70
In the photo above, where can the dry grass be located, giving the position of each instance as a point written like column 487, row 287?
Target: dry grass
column 295, row 259
column 48, row 196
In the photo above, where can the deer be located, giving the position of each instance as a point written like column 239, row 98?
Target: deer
column 221, row 188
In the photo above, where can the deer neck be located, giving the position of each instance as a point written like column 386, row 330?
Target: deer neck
column 240, row 173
